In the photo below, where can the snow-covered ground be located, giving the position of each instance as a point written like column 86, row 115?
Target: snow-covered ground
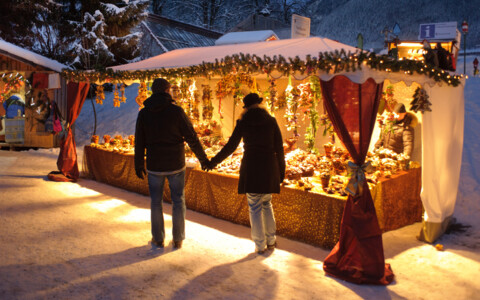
column 88, row 240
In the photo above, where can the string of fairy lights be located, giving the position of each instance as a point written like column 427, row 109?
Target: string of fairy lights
column 329, row 62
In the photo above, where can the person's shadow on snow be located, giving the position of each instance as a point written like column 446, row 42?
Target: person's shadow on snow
column 45, row 277
column 243, row 279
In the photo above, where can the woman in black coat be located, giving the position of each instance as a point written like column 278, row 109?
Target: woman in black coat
column 262, row 169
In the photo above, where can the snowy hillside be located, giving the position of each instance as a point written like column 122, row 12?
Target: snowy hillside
column 344, row 20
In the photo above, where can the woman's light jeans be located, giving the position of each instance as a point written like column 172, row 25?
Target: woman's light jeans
column 176, row 183
column 262, row 220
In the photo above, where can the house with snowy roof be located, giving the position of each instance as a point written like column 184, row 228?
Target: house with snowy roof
column 162, row 35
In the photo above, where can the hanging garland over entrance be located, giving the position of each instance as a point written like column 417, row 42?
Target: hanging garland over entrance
column 329, row 62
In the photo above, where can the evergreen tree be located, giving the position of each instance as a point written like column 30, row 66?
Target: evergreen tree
column 17, row 17
column 49, row 34
column 104, row 31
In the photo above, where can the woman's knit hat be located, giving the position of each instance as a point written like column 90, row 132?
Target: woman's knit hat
column 251, row 99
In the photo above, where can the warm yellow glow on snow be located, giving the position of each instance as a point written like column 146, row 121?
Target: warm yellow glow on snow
column 106, row 206
column 136, row 215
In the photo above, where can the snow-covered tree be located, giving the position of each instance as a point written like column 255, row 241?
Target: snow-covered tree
column 91, row 50
column 105, row 33
column 49, row 32
column 17, row 17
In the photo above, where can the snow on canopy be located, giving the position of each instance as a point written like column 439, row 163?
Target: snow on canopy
column 187, row 57
column 32, row 57
column 242, row 37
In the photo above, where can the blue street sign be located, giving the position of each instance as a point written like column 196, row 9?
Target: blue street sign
column 427, row 31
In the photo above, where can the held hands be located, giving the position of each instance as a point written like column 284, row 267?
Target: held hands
column 207, row 165
column 140, row 173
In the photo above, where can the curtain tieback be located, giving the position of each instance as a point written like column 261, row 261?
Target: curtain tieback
column 357, row 177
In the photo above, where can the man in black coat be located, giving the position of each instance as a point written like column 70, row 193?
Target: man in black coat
column 262, row 168
column 162, row 128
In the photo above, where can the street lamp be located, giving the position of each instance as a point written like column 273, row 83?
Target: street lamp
column 465, row 31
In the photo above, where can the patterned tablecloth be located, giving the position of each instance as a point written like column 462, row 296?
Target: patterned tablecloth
column 304, row 216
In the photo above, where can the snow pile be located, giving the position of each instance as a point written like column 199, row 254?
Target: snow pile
column 31, row 56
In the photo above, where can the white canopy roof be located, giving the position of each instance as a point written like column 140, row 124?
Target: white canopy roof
column 195, row 56
column 31, row 56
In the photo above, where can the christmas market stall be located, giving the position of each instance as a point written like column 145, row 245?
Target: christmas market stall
column 32, row 97
column 332, row 103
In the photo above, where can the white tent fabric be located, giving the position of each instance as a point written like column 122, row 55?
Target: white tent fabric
column 442, row 129
column 442, row 157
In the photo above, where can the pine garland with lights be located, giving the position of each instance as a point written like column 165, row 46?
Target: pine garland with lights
column 330, row 62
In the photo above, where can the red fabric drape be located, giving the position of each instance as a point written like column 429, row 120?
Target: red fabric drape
column 67, row 159
column 40, row 81
column 358, row 255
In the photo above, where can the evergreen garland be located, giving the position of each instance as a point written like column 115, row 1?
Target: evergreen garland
column 330, row 62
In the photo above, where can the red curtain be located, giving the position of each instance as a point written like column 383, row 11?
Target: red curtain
column 67, row 159
column 358, row 255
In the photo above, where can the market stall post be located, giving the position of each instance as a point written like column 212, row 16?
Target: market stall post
column 358, row 256
column 67, row 159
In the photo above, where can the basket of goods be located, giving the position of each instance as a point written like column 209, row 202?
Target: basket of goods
column 304, row 184
column 307, row 170
column 293, row 173
column 403, row 160
column 338, row 166
column 106, row 139
column 291, row 144
column 131, row 139
column 328, row 149
column 95, row 139
column 325, row 178
column 337, row 185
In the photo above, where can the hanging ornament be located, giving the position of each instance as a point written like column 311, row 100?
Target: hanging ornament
column 271, row 97
column 193, row 101
column 142, row 94
column 291, row 113
column 309, row 93
column 420, row 101
column 99, row 94
column 116, row 97
column 122, row 93
column 184, row 99
column 207, row 109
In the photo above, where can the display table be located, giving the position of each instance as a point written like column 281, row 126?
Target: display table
column 304, row 216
